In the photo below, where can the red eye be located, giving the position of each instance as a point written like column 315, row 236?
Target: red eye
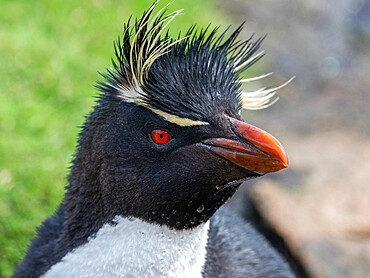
column 160, row 137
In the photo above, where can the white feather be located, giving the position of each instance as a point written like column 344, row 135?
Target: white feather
column 261, row 98
column 133, row 248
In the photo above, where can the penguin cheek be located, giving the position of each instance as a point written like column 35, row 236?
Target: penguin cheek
column 184, row 186
column 117, row 190
column 200, row 174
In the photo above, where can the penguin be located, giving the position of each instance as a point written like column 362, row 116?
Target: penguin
column 158, row 157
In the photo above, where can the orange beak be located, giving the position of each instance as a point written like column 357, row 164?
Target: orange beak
column 257, row 151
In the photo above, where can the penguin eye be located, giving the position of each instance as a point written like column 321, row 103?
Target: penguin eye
column 160, row 137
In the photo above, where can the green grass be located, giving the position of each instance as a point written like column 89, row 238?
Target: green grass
column 50, row 53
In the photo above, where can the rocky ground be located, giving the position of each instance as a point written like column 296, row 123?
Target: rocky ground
column 320, row 206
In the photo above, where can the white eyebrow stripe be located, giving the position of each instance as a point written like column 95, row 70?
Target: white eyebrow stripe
column 137, row 96
column 176, row 119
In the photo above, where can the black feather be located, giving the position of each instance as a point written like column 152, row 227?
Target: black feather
column 196, row 78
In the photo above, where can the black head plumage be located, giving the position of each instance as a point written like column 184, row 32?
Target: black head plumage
column 193, row 77
column 197, row 78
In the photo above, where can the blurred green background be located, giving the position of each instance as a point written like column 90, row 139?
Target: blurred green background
column 50, row 55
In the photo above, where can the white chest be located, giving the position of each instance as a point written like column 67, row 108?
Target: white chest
column 133, row 248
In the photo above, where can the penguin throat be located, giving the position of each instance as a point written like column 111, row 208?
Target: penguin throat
column 133, row 248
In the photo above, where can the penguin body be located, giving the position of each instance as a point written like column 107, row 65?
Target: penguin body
column 225, row 246
column 236, row 249
column 134, row 248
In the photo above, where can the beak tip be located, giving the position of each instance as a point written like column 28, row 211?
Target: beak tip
column 285, row 161
column 263, row 141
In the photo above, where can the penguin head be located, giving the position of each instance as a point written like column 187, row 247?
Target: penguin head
column 165, row 142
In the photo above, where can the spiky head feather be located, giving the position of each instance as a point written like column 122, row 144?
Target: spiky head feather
column 184, row 80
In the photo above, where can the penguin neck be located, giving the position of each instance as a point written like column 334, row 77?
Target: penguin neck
column 134, row 248
column 85, row 211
